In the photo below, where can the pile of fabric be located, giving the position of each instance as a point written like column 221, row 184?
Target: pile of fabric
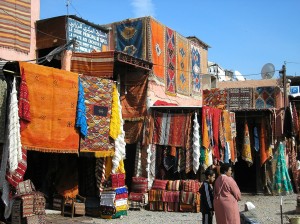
column 138, row 197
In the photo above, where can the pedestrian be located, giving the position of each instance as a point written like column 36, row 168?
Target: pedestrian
column 207, row 197
column 226, row 197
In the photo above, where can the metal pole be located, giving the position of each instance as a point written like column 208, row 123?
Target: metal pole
column 281, row 216
column 283, row 72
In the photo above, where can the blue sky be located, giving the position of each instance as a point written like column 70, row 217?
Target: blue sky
column 243, row 34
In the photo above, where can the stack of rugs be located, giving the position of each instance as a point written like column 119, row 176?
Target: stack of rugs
column 138, row 197
column 114, row 200
column 28, row 205
column 175, row 196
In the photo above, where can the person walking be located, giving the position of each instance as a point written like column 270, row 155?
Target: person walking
column 207, row 197
column 226, row 197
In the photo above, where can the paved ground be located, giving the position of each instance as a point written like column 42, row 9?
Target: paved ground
column 267, row 211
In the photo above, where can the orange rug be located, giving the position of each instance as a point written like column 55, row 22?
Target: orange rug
column 53, row 99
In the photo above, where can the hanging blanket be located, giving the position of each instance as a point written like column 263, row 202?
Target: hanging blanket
column 133, row 131
column 238, row 98
column 158, row 49
column 81, row 122
column 170, row 79
column 15, row 19
column 183, row 60
column 215, row 97
column 246, row 153
column 130, row 38
column 171, row 196
column 265, row 97
column 98, row 99
column 196, row 70
column 53, row 99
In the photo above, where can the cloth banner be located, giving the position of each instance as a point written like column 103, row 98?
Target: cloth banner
column 98, row 101
column 53, row 98
column 183, row 60
column 196, row 70
column 158, row 49
column 170, row 79
column 15, row 30
column 130, row 38
column 265, row 97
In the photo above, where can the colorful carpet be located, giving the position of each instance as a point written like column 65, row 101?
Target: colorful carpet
column 53, row 98
column 130, row 38
column 183, row 60
column 264, row 97
column 170, row 79
column 158, row 49
column 240, row 98
column 15, row 19
column 195, row 70
column 98, row 100
column 215, row 97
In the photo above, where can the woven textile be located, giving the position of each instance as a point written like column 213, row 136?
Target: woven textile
column 181, row 160
column 133, row 131
column 156, row 206
column 155, row 194
column 139, row 184
column 122, row 196
column 190, row 185
column 98, row 98
column 130, row 38
column 238, row 98
column 195, row 69
column 14, row 178
column 27, row 204
column 3, row 96
column 173, row 185
column 214, row 97
column 58, row 90
column 171, row 196
column 158, row 49
column 182, row 64
column 135, row 205
column 265, row 97
column 246, row 153
column 148, row 129
column 170, row 79
column 16, row 24
column 81, row 122
column 92, row 64
column 188, row 160
column 159, row 184
column 136, row 197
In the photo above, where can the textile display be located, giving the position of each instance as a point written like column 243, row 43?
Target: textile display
column 133, row 96
column 215, row 97
column 206, row 116
column 148, row 129
column 27, row 204
column 155, row 194
column 121, row 202
column 216, row 127
column 190, row 185
column 156, row 206
column 152, row 168
column 168, row 159
column 187, row 197
column 122, row 207
column 256, row 138
column 130, row 38
column 115, row 121
column 138, row 162
column 122, row 196
column 196, row 145
column 282, row 182
column 182, row 64
column 133, row 131
column 81, row 121
column 238, row 98
column 158, row 49
column 25, row 187
column 159, row 184
column 246, row 152
column 228, row 135
column 119, row 214
column 171, row 196
column 39, row 203
column 188, row 160
column 16, row 215
column 181, row 160
column 58, row 90
column 264, row 147
column 107, row 198
column 3, row 96
column 170, row 79
column 135, row 205
column 16, row 25
column 265, row 97
column 139, row 184
column 100, row 173
column 92, row 64
column 172, row 206
column 295, row 118
column 117, row 180
column 196, row 70
column 98, row 98
column 173, row 185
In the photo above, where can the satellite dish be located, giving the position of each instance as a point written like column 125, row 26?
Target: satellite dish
column 267, row 71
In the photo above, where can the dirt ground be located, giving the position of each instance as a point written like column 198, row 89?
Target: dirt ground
column 267, row 211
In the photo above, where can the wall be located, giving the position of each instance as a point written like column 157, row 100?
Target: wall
column 10, row 54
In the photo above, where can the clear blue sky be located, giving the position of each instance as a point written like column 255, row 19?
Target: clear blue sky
column 243, row 34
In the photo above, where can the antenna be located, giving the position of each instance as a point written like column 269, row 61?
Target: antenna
column 67, row 5
column 267, row 71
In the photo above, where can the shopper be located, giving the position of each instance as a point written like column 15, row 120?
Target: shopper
column 226, row 197
column 207, row 197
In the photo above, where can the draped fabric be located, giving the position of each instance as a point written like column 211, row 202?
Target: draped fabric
column 195, row 69
column 3, row 96
column 233, row 135
column 282, row 182
column 130, row 38
column 188, row 160
column 158, row 49
column 256, row 138
column 295, row 119
column 100, row 173
column 16, row 25
column 196, row 145
column 115, row 121
column 152, row 168
column 23, row 103
column 214, row 97
column 137, row 163
column 98, row 101
column 181, row 160
column 246, row 153
column 216, row 124
column 182, row 65
column 148, row 129
column 264, row 147
column 133, row 96
column 81, row 121
column 170, row 79
column 205, row 134
column 53, row 96
column 228, row 135
column 133, row 131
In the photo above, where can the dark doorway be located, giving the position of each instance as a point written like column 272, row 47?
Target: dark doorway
column 129, row 164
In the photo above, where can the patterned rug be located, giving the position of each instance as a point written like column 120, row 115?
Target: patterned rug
column 16, row 24
column 240, row 98
column 170, row 79
column 158, row 49
column 183, row 59
column 130, row 38
column 214, row 97
column 98, row 100
column 264, row 97
column 195, row 70
column 53, row 97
